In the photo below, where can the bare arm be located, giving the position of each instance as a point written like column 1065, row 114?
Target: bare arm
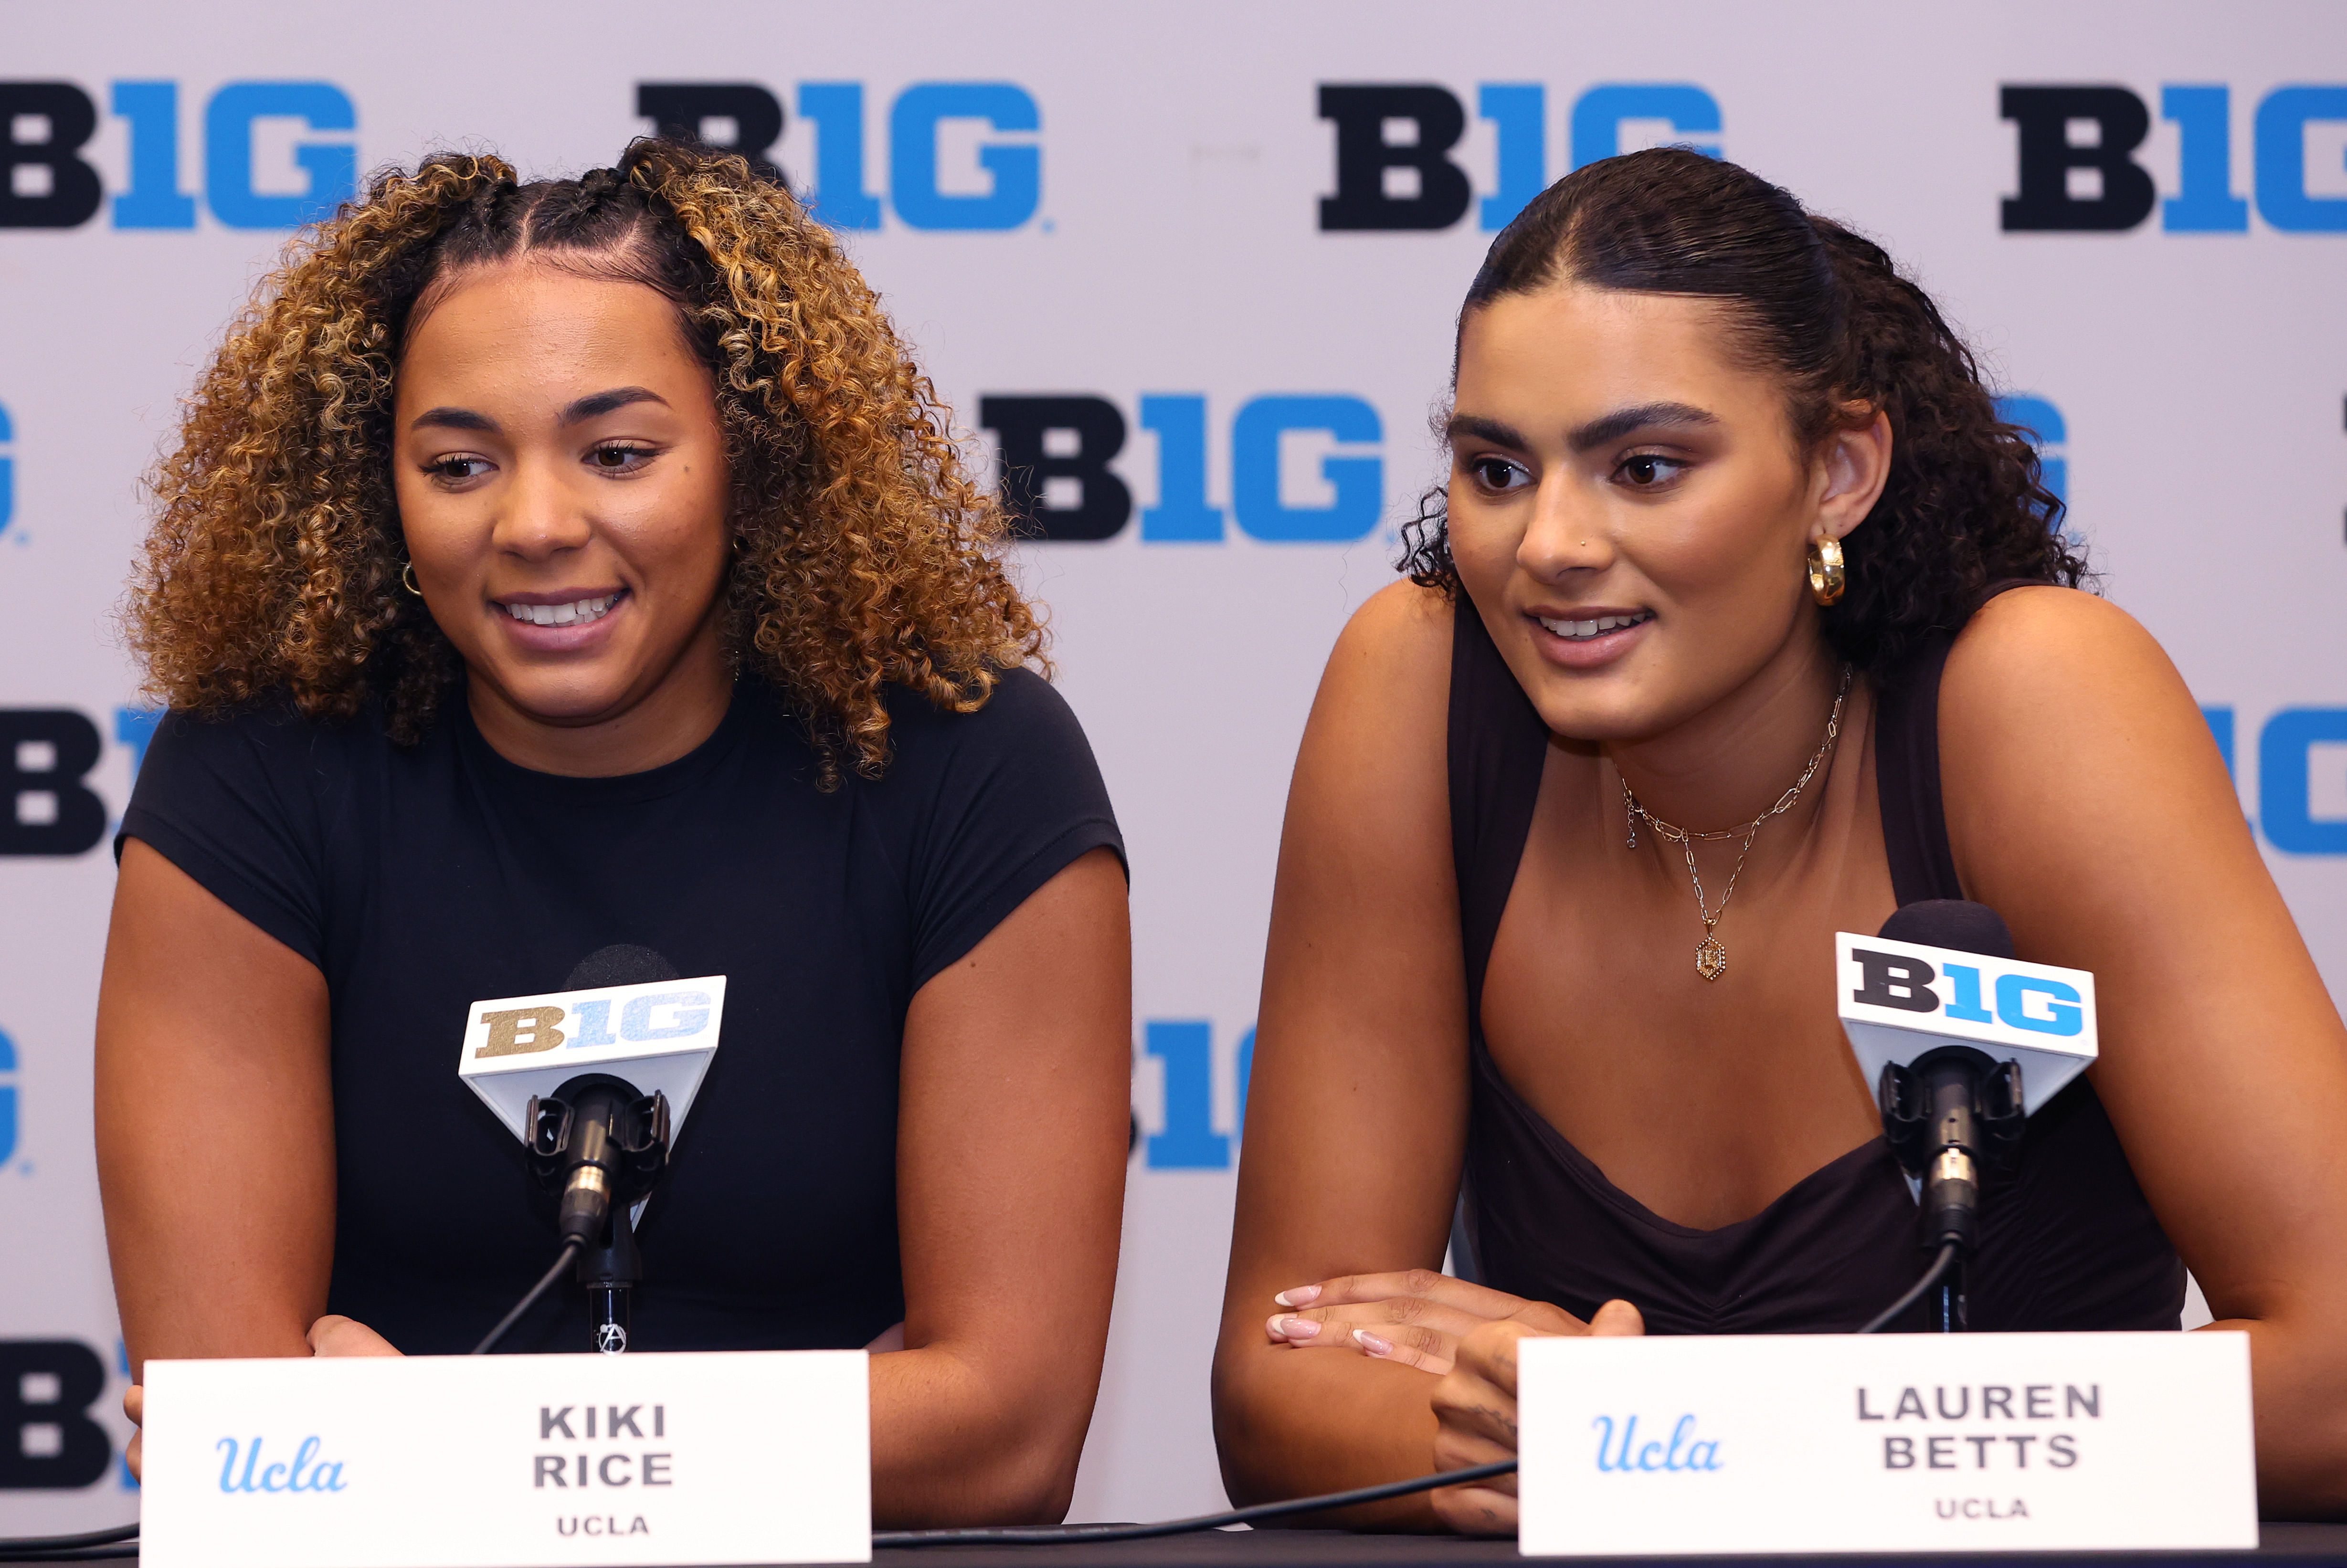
column 1357, row 1110
column 215, row 1124
column 2087, row 802
column 1017, row 1072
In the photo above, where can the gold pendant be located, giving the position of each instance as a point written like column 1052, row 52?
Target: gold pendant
column 1710, row 958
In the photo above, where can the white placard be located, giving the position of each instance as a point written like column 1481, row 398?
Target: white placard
column 508, row 1462
column 1894, row 1442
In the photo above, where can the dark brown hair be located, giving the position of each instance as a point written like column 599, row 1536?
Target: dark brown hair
column 1825, row 311
column 866, row 552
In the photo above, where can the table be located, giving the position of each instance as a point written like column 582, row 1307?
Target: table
column 2282, row 1543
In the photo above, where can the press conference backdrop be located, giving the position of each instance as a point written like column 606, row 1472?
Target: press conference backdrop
column 1195, row 267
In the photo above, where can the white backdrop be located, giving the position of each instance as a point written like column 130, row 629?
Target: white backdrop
column 1126, row 204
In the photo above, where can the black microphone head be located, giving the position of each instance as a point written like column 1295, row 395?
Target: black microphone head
column 621, row 964
column 1956, row 923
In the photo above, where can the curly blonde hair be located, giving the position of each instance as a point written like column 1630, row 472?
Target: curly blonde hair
column 866, row 554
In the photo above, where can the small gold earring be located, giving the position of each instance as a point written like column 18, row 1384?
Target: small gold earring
column 1827, row 579
column 407, row 579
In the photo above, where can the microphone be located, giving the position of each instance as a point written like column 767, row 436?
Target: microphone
column 1956, row 1080
column 596, row 1079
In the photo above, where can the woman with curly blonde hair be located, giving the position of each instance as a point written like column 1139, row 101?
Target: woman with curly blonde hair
column 575, row 582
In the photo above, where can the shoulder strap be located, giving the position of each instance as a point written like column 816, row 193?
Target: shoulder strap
column 1907, row 767
column 1497, row 743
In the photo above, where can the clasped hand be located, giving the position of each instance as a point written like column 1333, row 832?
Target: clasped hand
column 1464, row 1335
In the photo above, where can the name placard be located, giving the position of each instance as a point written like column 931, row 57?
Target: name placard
column 1893, row 1442
column 508, row 1462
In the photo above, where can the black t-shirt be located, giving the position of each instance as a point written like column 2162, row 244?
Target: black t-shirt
column 421, row 880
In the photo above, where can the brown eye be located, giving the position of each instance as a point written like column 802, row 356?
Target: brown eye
column 1646, row 470
column 455, row 470
column 618, row 459
column 1497, row 473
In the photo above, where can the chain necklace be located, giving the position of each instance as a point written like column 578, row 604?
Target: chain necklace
column 1710, row 958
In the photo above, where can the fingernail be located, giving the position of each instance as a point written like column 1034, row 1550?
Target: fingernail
column 1302, row 1296
column 1371, row 1343
column 1295, row 1327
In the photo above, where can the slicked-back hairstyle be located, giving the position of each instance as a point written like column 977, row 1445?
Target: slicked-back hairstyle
column 1826, row 311
column 864, row 552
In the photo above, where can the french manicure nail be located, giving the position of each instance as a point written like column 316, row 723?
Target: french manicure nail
column 1371, row 1343
column 1302, row 1296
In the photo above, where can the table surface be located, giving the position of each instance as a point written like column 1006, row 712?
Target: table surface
column 2281, row 1544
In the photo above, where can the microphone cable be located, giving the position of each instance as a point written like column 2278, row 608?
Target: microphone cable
column 571, row 1246
column 1940, row 1266
column 1013, row 1535
column 122, row 1542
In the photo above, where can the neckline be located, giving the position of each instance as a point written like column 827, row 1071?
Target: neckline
column 1594, row 1179
column 612, row 789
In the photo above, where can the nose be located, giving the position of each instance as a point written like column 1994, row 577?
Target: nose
column 1568, row 532
column 540, row 517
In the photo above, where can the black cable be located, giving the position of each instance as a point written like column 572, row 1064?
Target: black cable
column 571, row 1246
column 1011, row 1535
column 1940, row 1266
column 67, row 1548
column 69, row 1555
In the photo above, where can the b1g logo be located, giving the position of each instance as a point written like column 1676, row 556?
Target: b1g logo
column 1394, row 141
column 1304, row 468
column 928, row 189
column 46, row 1437
column 2078, row 171
column 47, row 183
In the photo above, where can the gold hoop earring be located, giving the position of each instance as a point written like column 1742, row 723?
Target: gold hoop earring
column 407, row 579
column 1827, row 578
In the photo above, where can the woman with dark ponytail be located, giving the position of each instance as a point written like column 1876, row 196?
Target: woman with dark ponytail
column 1743, row 620
column 575, row 582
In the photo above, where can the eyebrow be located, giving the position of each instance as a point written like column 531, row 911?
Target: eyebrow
column 452, row 419
column 596, row 405
column 1643, row 416
column 592, row 407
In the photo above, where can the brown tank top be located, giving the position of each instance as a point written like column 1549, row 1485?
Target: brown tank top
column 2067, row 1240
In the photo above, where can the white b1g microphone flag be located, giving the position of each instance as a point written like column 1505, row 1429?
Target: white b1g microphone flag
column 658, row 1036
column 1899, row 999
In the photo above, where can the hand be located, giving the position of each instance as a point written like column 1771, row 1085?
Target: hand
column 333, row 1334
column 1475, row 1414
column 329, row 1336
column 1416, row 1318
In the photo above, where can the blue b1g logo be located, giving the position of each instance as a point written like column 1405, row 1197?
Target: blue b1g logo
column 1394, row 140
column 1304, row 467
column 46, row 183
column 1003, row 191
column 2078, row 172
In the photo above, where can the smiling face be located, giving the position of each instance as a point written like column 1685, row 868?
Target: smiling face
column 559, row 467
column 1628, row 510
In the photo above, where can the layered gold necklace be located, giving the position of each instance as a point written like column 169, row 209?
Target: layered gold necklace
column 1710, row 957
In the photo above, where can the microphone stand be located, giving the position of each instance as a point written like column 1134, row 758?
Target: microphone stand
column 1951, row 1117
column 610, row 1273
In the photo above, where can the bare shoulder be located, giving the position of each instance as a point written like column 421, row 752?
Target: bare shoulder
column 2049, row 640
column 2068, row 737
column 1402, row 636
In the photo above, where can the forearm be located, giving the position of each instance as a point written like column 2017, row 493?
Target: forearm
column 1296, row 1423
column 2298, row 1373
column 958, row 1439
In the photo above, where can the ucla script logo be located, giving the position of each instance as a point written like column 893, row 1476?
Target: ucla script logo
column 305, row 1474
column 1682, row 1451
